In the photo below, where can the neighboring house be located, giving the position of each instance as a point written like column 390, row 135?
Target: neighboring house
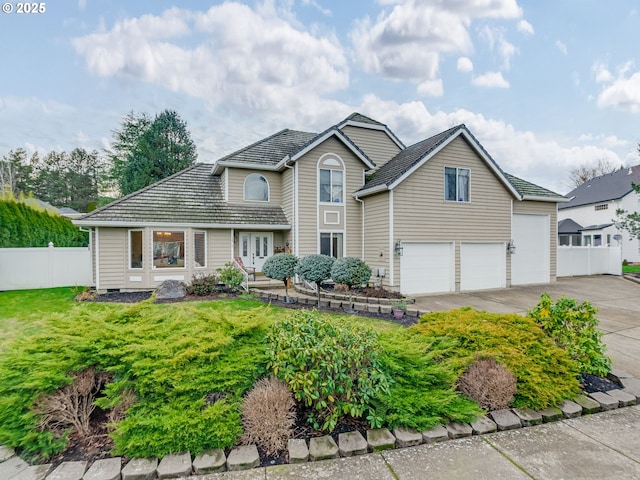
column 592, row 210
column 438, row 216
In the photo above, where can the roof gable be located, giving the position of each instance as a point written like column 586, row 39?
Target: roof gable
column 358, row 120
column 612, row 186
column 413, row 157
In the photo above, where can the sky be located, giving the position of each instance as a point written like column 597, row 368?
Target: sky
column 545, row 86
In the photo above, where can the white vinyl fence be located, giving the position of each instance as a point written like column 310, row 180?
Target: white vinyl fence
column 574, row 261
column 26, row 268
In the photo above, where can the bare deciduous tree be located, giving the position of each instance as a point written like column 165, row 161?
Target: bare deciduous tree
column 584, row 173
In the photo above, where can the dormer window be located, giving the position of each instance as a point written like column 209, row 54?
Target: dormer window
column 256, row 188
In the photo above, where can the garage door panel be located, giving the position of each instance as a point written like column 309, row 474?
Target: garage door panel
column 427, row 268
column 482, row 266
column 531, row 261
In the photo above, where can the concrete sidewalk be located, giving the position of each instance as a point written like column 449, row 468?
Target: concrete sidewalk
column 600, row 446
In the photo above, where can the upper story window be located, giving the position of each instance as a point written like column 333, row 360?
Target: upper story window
column 603, row 206
column 331, row 185
column 256, row 188
column 456, row 184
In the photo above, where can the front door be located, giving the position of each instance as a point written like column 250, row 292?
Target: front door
column 255, row 248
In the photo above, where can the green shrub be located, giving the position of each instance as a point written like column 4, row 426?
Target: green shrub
column 203, row 285
column 315, row 269
column 329, row 366
column 573, row 327
column 167, row 358
column 22, row 226
column 546, row 374
column 281, row 266
column 350, row 271
column 230, row 276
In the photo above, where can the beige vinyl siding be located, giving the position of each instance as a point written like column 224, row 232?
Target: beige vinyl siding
column 223, row 182
column 544, row 208
column 375, row 143
column 376, row 234
column 112, row 257
column 308, row 207
column 288, row 206
column 237, row 176
column 421, row 213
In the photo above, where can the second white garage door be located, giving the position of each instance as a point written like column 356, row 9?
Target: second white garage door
column 482, row 266
column 427, row 268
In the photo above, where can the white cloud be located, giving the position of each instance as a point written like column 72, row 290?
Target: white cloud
column 490, row 80
column 622, row 90
column 525, row 27
column 464, row 65
column 407, row 40
column 229, row 55
column 561, row 47
column 324, row 11
column 497, row 42
column 431, row 88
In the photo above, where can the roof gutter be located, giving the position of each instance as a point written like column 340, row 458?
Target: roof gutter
column 218, row 167
column 220, row 226
column 370, row 191
column 536, row 198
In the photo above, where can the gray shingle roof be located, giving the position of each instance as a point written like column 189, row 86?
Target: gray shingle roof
column 358, row 117
column 192, row 197
column 269, row 151
column 611, row 186
column 568, row 226
column 406, row 159
column 528, row 189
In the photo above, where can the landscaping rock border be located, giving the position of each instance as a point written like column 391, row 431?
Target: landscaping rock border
column 245, row 457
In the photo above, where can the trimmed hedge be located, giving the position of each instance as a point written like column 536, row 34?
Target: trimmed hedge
column 21, row 226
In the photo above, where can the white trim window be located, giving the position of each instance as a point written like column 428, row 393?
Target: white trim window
column 168, row 248
column 456, row 184
column 199, row 249
column 136, row 259
column 331, row 186
column 332, row 244
column 256, row 188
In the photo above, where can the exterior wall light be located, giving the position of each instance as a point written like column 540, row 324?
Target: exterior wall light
column 511, row 248
column 398, row 248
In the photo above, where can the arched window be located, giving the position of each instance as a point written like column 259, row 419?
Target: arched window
column 331, row 179
column 256, row 188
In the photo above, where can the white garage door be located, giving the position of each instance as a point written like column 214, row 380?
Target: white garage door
column 427, row 268
column 482, row 266
column 531, row 261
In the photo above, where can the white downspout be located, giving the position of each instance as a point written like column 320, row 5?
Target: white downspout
column 294, row 175
column 97, row 252
column 361, row 226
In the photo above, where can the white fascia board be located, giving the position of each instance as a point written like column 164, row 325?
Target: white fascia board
column 244, row 226
column 370, row 126
column 371, row 191
column 545, row 199
column 220, row 166
column 341, row 137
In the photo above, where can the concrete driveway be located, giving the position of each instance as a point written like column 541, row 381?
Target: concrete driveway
column 617, row 301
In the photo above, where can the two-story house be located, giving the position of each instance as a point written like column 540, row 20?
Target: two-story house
column 589, row 217
column 437, row 216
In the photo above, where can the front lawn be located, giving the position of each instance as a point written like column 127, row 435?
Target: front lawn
column 176, row 373
column 630, row 268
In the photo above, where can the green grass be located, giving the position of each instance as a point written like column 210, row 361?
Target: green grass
column 173, row 355
column 631, row 269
